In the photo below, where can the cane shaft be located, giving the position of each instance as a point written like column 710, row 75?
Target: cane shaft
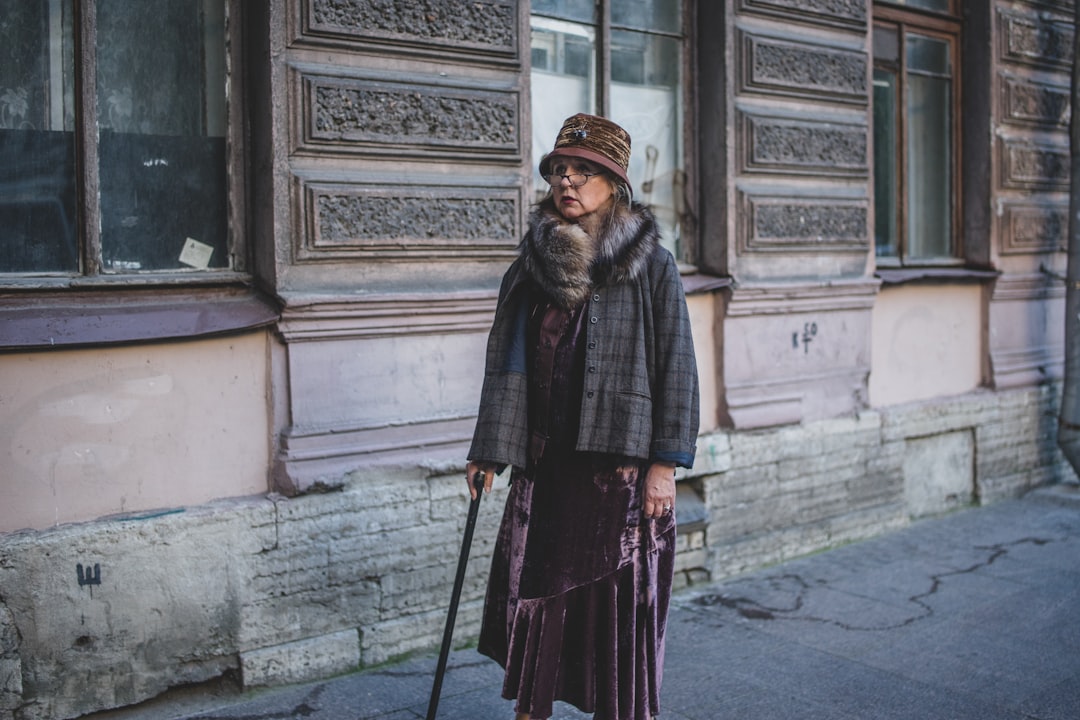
column 455, row 596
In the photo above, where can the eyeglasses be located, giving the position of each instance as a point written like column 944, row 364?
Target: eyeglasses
column 576, row 179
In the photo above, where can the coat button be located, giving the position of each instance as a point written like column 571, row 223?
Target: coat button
column 590, row 393
column 592, row 344
column 596, row 297
column 592, row 369
column 593, row 320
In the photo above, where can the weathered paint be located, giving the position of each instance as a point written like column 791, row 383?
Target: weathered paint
column 95, row 432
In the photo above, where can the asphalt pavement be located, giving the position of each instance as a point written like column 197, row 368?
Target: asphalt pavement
column 975, row 615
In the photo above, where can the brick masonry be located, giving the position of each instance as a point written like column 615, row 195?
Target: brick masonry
column 282, row 589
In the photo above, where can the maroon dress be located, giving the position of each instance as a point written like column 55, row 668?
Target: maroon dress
column 578, row 596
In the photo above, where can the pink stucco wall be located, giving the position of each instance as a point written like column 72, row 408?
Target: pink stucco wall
column 926, row 341
column 88, row 433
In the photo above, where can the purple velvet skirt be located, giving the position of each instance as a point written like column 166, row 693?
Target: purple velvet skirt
column 578, row 596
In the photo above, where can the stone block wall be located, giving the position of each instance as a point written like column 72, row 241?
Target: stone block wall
column 281, row 590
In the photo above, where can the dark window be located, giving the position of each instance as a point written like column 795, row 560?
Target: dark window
column 113, row 137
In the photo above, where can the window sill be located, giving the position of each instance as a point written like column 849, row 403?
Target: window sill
column 696, row 283
column 128, row 316
column 933, row 275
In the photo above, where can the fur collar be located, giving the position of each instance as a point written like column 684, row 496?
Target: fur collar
column 566, row 262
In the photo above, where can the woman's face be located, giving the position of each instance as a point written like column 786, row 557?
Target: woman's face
column 575, row 203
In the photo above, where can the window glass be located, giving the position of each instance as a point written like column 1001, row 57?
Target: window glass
column 580, row 10
column 936, row 5
column 159, row 125
column 563, row 82
column 642, row 91
column 657, row 15
column 886, row 45
column 929, row 121
column 928, row 55
column 886, row 176
column 38, row 226
column 646, row 98
column 161, row 133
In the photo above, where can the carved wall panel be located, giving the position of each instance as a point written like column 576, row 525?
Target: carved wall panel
column 379, row 220
column 819, row 224
column 351, row 115
column 851, row 14
column 1034, row 229
column 1035, row 39
column 1029, row 102
column 1025, row 165
column 451, row 27
column 777, row 67
column 802, row 147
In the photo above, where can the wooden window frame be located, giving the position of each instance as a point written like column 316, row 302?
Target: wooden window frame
column 946, row 26
column 90, row 307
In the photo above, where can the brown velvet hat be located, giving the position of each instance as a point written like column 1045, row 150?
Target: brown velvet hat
column 595, row 139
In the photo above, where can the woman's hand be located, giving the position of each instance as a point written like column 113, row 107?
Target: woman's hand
column 470, row 472
column 659, row 490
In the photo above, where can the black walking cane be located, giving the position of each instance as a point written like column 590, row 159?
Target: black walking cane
column 455, row 596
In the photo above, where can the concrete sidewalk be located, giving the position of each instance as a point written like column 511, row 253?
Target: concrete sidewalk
column 974, row 615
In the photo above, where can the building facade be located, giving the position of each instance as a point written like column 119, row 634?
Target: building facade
column 245, row 291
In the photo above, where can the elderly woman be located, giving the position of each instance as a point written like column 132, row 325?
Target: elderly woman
column 590, row 395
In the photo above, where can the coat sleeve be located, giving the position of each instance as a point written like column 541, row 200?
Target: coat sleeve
column 675, row 377
column 501, row 422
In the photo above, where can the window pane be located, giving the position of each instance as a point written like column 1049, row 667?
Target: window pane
column 929, row 132
column 37, row 148
column 886, row 182
column 928, row 55
column 161, row 100
column 646, row 99
column 563, row 83
column 580, row 10
column 937, row 5
column 886, row 45
column 656, row 15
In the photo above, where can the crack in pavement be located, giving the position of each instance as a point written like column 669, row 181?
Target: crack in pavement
column 752, row 609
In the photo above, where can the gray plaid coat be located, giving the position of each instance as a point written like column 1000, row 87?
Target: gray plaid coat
column 641, row 382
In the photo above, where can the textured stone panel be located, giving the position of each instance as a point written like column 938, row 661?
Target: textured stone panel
column 1034, row 40
column 448, row 25
column 777, row 67
column 1034, row 229
column 1029, row 102
column 793, row 224
column 1025, row 165
column 349, row 219
column 803, row 146
column 844, row 13
column 354, row 115
column 346, row 219
column 11, row 688
column 302, row 660
column 939, row 472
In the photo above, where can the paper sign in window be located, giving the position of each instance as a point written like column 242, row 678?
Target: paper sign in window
column 196, row 254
